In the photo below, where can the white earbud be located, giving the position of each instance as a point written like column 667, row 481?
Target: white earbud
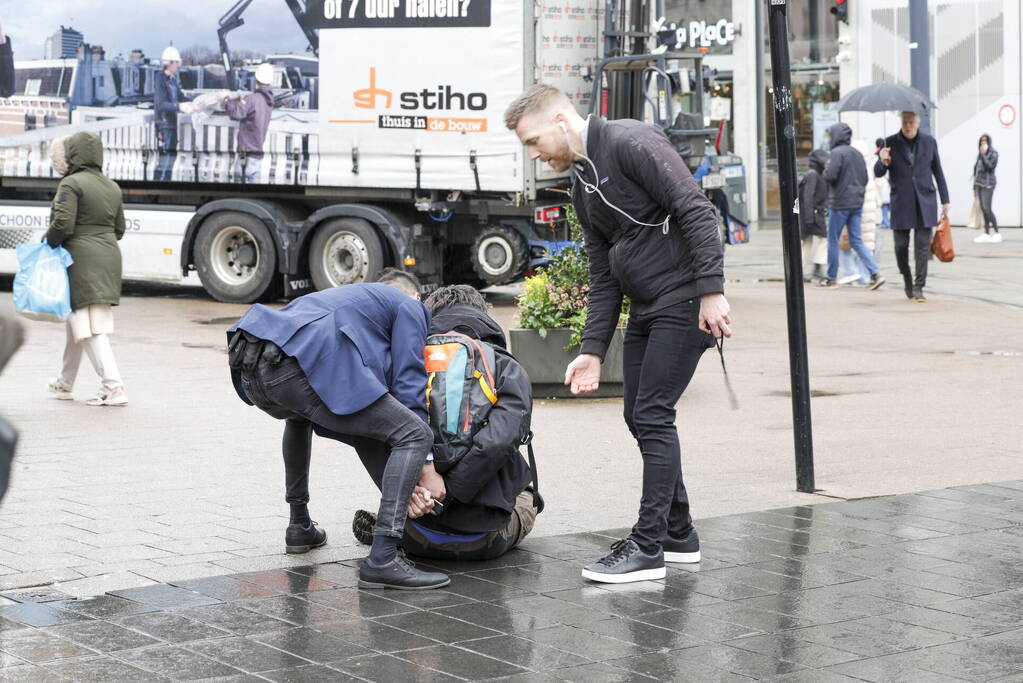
column 563, row 127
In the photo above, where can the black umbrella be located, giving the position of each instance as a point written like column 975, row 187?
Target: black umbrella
column 886, row 97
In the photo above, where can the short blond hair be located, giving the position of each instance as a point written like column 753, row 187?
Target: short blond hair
column 538, row 98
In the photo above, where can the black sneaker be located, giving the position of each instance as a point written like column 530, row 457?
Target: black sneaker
column 908, row 288
column 625, row 564
column 363, row 525
column 876, row 280
column 918, row 295
column 399, row 574
column 827, row 284
column 686, row 551
column 300, row 539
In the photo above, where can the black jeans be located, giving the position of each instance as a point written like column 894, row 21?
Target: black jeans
column 662, row 350
column 283, row 391
column 984, row 196
column 921, row 253
column 167, row 144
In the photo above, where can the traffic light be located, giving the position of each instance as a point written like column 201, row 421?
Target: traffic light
column 841, row 10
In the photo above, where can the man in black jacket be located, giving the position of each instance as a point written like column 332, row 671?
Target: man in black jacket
column 489, row 506
column 651, row 234
column 911, row 159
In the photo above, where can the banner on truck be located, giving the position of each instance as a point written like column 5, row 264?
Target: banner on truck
column 321, row 14
column 420, row 106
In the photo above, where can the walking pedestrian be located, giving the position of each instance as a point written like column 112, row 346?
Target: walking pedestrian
column 984, row 187
column 911, row 158
column 885, row 197
column 347, row 363
column 167, row 99
column 87, row 219
column 846, row 175
column 651, row 234
column 853, row 269
column 813, row 215
column 253, row 114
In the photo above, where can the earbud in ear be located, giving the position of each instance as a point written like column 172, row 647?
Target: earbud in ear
column 563, row 127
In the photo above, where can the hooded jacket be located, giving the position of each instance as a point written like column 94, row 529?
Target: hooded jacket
column 484, row 484
column 87, row 219
column 846, row 172
column 813, row 197
column 253, row 112
column 984, row 167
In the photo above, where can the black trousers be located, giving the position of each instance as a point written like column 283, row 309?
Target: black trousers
column 282, row 390
column 921, row 254
column 662, row 350
column 984, row 196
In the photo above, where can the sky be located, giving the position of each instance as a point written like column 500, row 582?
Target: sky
column 122, row 25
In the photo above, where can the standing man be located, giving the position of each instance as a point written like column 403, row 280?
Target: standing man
column 167, row 96
column 346, row 362
column 253, row 114
column 8, row 82
column 651, row 234
column 911, row 157
column 846, row 175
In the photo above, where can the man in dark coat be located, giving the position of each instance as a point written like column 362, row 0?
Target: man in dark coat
column 167, row 97
column 487, row 507
column 346, row 361
column 846, row 174
column 911, row 158
column 7, row 76
column 813, row 213
column 651, row 234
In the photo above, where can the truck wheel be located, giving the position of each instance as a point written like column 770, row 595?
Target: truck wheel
column 235, row 257
column 499, row 255
column 345, row 251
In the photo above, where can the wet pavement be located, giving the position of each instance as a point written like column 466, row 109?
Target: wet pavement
column 915, row 588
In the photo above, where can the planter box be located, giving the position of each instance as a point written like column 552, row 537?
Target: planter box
column 546, row 359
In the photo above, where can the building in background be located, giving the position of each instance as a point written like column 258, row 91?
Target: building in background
column 63, row 44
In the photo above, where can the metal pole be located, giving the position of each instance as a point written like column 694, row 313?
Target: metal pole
column 785, row 140
column 920, row 56
column 758, row 83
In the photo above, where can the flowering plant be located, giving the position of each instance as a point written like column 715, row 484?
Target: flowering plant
column 556, row 296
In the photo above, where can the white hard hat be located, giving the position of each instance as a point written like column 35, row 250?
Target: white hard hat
column 265, row 74
column 170, row 54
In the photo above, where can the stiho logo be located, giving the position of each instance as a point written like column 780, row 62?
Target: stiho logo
column 443, row 97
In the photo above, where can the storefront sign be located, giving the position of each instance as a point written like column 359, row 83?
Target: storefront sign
column 694, row 34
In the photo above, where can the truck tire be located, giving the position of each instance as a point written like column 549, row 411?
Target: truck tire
column 345, row 251
column 499, row 255
column 236, row 257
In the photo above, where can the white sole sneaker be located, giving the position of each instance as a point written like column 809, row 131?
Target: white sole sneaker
column 641, row 575
column 59, row 392
column 682, row 558
column 118, row 399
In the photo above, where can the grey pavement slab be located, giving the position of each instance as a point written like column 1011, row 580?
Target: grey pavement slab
column 797, row 617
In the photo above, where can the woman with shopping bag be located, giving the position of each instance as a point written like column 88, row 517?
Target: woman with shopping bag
column 87, row 219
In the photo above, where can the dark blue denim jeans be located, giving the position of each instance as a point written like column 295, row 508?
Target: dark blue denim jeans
column 283, row 391
column 850, row 220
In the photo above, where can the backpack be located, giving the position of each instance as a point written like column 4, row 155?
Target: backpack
column 460, row 392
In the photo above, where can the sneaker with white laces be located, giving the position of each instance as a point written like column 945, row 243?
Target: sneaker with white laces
column 59, row 391
column 995, row 238
column 109, row 397
column 626, row 563
column 983, row 237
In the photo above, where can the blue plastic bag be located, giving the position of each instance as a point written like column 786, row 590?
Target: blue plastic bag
column 42, row 290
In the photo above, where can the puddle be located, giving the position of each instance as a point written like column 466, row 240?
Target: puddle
column 814, row 393
column 986, row 353
column 214, row 347
column 217, row 321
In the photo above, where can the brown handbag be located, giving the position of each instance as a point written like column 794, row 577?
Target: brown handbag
column 941, row 245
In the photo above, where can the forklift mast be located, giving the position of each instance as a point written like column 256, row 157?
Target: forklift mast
column 232, row 19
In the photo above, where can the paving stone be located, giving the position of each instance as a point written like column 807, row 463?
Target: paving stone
column 245, row 654
column 36, row 614
column 591, row 646
column 176, row 663
column 236, row 619
column 459, row 662
column 102, row 636
column 29, row 674
column 524, row 653
column 437, row 626
column 312, row 673
column 225, row 588
column 165, row 597
column 39, row 646
column 171, row 627
column 387, row 669
column 101, row 670
column 40, row 594
column 104, row 607
column 312, row 645
column 360, row 603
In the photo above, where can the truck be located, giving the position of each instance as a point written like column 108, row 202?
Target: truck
column 386, row 146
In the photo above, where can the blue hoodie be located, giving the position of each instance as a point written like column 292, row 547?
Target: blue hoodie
column 846, row 172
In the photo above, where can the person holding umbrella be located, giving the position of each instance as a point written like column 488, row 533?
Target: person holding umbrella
column 911, row 158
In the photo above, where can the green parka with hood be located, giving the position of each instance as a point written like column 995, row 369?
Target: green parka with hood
column 87, row 219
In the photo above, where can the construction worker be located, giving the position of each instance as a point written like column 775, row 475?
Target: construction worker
column 167, row 99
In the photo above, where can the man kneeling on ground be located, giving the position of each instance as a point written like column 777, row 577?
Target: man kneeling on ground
column 488, row 503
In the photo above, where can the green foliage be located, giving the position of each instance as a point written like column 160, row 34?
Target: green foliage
column 556, row 296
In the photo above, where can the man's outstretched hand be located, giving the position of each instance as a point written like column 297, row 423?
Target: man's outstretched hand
column 583, row 374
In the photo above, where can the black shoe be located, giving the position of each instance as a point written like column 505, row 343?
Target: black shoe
column 625, row 564
column 300, row 539
column 908, row 285
column 876, row 280
column 918, row 295
column 363, row 525
column 829, row 284
column 399, row 574
column 686, row 550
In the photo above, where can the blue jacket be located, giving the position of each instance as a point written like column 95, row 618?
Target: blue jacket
column 166, row 96
column 845, row 172
column 911, row 181
column 354, row 343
